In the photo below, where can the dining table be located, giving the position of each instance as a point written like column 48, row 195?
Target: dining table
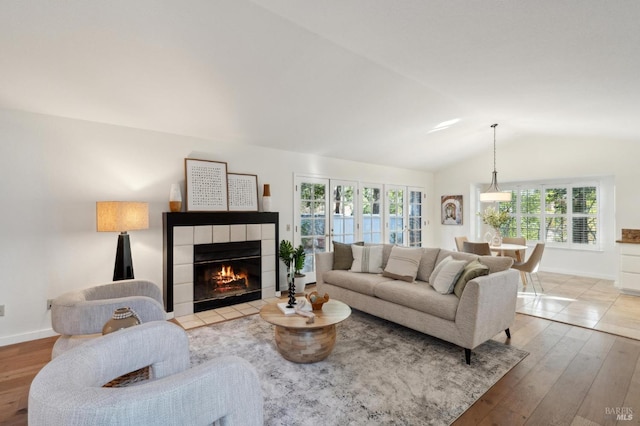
column 508, row 247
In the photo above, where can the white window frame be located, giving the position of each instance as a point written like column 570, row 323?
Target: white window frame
column 542, row 186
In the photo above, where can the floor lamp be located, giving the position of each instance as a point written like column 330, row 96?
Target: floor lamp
column 122, row 216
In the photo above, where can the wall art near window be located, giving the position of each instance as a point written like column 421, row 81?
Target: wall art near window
column 243, row 192
column 451, row 208
column 206, row 185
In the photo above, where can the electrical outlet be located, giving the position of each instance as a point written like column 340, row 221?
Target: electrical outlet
column 1, row 310
column 49, row 302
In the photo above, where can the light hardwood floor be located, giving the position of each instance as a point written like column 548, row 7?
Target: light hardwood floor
column 573, row 375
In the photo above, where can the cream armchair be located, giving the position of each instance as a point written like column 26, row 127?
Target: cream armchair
column 80, row 315
column 68, row 390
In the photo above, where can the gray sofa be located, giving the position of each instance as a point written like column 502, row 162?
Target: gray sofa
column 486, row 305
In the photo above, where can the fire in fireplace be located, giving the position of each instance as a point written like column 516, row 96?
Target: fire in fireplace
column 226, row 274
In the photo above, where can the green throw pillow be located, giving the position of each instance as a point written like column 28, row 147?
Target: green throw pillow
column 343, row 255
column 473, row 270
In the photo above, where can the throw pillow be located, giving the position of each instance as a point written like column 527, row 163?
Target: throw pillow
column 438, row 267
column 448, row 275
column 343, row 255
column 367, row 259
column 403, row 263
column 473, row 270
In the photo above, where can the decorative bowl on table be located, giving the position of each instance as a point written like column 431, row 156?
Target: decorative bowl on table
column 316, row 300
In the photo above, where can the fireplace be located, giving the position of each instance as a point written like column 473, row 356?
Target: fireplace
column 189, row 237
column 226, row 274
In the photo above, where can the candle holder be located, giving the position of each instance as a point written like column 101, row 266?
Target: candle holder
column 292, row 286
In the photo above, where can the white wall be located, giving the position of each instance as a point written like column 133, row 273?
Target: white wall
column 550, row 157
column 55, row 169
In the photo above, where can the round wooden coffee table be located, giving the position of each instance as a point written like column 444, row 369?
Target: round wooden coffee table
column 300, row 342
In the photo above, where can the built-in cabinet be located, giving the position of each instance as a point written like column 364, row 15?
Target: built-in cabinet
column 629, row 273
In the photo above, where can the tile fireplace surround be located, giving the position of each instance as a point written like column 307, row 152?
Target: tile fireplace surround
column 182, row 231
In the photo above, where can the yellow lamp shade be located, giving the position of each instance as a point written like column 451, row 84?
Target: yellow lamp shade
column 121, row 216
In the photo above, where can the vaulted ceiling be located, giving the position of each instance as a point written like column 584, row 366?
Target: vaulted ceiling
column 368, row 80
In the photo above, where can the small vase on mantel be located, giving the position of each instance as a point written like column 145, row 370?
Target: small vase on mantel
column 266, row 198
column 175, row 198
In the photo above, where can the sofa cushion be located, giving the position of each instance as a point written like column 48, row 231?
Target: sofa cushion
column 343, row 255
column 367, row 259
column 361, row 283
column 419, row 296
column 403, row 263
column 496, row 263
column 473, row 270
column 427, row 263
column 447, row 276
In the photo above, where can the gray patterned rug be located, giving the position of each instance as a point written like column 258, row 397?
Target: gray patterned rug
column 379, row 373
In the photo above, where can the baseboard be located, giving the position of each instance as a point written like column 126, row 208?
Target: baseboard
column 26, row 337
column 578, row 274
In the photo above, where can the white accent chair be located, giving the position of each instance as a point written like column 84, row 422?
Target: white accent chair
column 80, row 315
column 69, row 390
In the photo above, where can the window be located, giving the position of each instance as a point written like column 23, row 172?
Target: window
column 564, row 215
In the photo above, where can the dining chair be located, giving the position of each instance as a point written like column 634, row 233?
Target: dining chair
column 515, row 253
column 481, row 249
column 460, row 242
column 530, row 267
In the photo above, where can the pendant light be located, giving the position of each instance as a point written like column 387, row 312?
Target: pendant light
column 493, row 192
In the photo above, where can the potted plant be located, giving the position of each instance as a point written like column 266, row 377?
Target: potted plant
column 293, row 258
column 496, row 219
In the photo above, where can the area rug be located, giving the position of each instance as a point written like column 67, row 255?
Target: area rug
column 378, row 373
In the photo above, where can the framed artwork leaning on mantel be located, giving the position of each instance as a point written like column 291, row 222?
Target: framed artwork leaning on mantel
column 243, row 192
column 206, row 185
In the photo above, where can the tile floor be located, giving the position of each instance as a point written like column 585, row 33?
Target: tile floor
column 586, row 302
column 223, row 314
column 582, row 301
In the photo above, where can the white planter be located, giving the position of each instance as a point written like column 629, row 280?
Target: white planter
column 300, row 284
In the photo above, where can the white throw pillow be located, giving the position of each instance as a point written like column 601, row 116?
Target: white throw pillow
column 447, row 276
column 403, row 263
column 367, row 259
column 437, row 269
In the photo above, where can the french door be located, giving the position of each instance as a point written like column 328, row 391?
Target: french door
column 415, row 219
column 395, row 220
column 404, row 215
column 325, row 211
column 329, row 210
column 311, row 229
column 371, row 213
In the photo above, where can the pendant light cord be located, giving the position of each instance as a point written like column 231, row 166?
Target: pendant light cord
column 494, row 145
